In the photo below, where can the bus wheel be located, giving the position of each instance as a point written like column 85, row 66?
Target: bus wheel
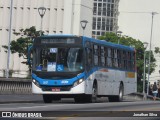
column 118, row 98
column 93, row 97
column 121, row 93
column 94, row 93
column 47, row 98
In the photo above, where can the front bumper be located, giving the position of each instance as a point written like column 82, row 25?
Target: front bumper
column 79, row 89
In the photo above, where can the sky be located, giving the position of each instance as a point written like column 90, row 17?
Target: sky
column 135, row 20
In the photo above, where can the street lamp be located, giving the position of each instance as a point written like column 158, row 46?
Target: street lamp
column 144, row 71
column 41, row 11
column 153, row 13
column 83, row 25
column 9, row 39
column 119, row 33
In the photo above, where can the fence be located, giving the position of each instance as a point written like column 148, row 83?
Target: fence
column 15, row 86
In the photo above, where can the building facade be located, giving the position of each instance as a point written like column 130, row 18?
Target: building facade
column 105, row 17
column 61, row 17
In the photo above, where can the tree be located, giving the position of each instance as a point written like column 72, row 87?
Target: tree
column 138, row 45
column 157, row 50
column 25, row 39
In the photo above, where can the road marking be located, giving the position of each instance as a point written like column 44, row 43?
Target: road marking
column 64, row 118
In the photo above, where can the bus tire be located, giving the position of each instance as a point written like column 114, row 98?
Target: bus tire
column 93, row 97
column 47, row 98
column 121, row 93
column 117, row 98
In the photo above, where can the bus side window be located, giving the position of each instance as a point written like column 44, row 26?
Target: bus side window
column 95, row 54
column 112, row 58
column 119, row 59
column 105, row 55
column 123, row 59
column 88, row 58
column 102, row 62
column 115, row 58
column 109, row 62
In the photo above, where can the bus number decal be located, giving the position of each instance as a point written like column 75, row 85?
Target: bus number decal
column 45, row 82
column 64, row 82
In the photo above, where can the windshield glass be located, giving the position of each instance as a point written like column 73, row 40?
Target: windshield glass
column 58, row 59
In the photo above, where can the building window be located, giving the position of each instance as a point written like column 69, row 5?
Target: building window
column 104, row 11
column 98, row 33
column 93, row 32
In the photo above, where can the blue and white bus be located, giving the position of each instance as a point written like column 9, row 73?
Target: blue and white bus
column 83, row 68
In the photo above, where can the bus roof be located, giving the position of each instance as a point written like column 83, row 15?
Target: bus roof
column 114, row 45
column 103, row 42
column 59, row 35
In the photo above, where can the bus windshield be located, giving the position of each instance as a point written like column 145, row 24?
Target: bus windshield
column 58, row 59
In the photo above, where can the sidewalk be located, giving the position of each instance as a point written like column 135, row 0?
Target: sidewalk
column 20, row 98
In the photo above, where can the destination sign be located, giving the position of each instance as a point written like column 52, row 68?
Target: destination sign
column 58, row 41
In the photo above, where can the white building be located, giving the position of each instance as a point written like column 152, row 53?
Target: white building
column 135, row 21
column 62, row 16
column 105, row 17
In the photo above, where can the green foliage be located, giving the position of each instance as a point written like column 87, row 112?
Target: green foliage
column 25, row 39
column 139, row 86
column 157, row 50
column 138, row 45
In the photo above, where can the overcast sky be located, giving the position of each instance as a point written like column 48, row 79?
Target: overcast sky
column 135, row 19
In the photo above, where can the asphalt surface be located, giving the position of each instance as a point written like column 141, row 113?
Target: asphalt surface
column 67, row 109
column 69, row 105
column 20, row 98
column 35, row 99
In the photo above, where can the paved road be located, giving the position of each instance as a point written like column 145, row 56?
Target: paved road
column 67, row 109
column 70, row 109
column 69, row 105
column 20, row 98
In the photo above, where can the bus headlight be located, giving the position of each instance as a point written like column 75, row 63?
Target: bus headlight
column 36, row 83
column 78, row 82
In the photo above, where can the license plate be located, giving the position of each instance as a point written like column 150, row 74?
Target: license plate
column 55, row 89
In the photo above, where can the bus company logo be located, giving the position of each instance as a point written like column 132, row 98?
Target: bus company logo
column 64, row 82
column 6, row 114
